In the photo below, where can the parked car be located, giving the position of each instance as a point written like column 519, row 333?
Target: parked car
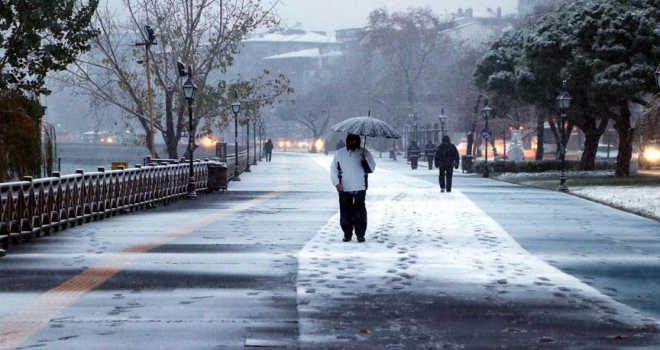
column 605, row 151
column 649, row 156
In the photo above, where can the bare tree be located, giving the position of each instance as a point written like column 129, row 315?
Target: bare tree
column 407, row 42
column 313, row 111
column 202, row 34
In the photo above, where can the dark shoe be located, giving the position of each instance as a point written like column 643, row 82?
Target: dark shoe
column 448, row 191
column 442, row 190
column 361, row 239
column 346, row 239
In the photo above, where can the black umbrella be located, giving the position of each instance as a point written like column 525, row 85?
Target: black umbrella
column 367, row 127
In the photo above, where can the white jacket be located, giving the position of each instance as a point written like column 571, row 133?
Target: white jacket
column 352, row 172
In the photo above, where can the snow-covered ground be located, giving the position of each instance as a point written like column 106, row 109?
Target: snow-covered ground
column 429, row 261
column 645, row 200
column 636, row 199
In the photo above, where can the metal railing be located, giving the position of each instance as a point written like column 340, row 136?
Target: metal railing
column 35, row 207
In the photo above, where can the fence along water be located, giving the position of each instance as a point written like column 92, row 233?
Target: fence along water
column 35, row 207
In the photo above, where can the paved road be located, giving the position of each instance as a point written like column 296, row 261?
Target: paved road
column 213, row 273
column 221, row 272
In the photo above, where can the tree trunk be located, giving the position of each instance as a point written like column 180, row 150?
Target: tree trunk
column 626, row 133
column 496, row 153
column 170, row 133
column 470, row 135
column 540, row 125
column 590, row 147
column 556, row 135
column 470, row 138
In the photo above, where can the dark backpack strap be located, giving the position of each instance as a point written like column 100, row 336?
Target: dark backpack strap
column 366, row 167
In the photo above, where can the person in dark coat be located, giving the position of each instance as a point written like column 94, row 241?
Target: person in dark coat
column 429, row 152
column 446, row 159
column 268, row 149
column 413, row 154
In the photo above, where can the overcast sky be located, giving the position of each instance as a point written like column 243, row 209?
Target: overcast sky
column 329, row 15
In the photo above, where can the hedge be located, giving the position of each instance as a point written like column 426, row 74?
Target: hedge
column 537, row 166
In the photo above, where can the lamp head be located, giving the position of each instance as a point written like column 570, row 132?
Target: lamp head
column 487, row 112
column 189, row 89
column 236, row 105
column 442, row 117
column 564, row 99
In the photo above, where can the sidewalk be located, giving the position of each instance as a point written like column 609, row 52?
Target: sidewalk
column 438, row 273
column 263, row 266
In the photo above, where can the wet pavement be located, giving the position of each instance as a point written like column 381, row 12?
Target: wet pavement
column 231, row 270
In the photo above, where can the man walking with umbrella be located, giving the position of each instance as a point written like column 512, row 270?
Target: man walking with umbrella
column 348, row 173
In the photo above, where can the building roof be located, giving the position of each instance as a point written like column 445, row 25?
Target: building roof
column 309, row 53
column 307, row 37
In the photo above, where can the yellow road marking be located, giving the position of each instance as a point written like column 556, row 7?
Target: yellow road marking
column 21, row 325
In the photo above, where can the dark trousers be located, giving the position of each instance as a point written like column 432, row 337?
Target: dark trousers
column 430, row 160
column 269, row 155
column 413, row 162
column 353, row 213
column 446, row 173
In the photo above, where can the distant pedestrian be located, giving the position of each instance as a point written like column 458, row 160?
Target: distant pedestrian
column 429, row 152
column 268, row 149
column 349, row 174
column 413, row 154
column 446, row 159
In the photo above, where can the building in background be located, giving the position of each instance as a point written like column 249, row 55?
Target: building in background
column 528, row 8
column 479, row 29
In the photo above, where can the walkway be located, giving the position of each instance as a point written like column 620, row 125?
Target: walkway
column 262, row 265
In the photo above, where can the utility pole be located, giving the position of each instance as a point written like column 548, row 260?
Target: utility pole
column 151, row 40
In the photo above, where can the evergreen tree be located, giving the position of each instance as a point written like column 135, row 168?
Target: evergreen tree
column 606, row 50
column 41, row 36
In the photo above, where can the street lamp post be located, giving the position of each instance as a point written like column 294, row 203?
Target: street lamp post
column 261, row 140
column 486, row 113
column 254, row 138
column 412, row 131
column 247, row 142
column 563, row 102
column 443, row 119
column 415, row 125
column 189, row 89
column 236, row 107
column 407, row 141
